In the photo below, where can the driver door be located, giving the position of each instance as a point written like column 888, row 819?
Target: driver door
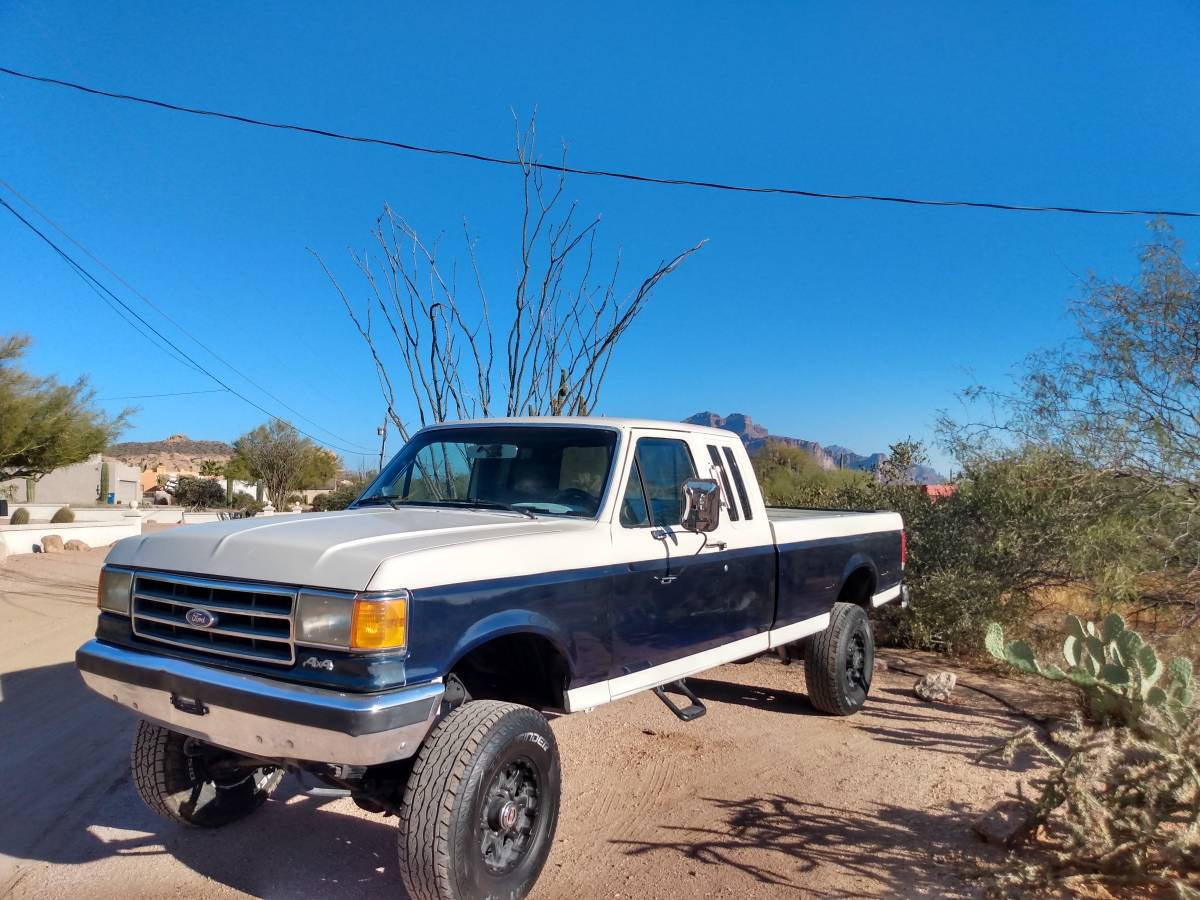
column 678, row 593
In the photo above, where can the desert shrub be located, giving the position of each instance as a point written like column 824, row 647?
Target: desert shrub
column 19, row 517
column 199, row 493
column 1018, row 523
column 246, row 504
column 339, row 498
column 61, row 515
column 1121, row 803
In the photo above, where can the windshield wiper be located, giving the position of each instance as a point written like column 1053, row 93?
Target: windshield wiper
column 376, row 501
column 466, row 504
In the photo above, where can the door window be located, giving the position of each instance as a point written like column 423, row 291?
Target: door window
column 654, row 494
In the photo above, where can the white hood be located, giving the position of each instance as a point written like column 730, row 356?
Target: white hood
column 338, row 550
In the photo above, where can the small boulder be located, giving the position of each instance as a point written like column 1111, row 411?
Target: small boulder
column 75, row 545
column 52, row 543
column 1004, row 823
column 936, row 687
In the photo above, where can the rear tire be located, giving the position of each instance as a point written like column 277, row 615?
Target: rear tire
column 839, row 662
column 178, row 786
column 481, row 806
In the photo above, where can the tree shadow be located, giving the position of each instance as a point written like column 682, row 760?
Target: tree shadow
column 66, row 798
column 957, row 730
column 776, row 840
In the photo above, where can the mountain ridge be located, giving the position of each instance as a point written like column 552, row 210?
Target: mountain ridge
column 832, row 456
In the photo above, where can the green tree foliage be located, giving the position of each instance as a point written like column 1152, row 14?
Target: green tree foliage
column 339, row 498
column 1016, row 524
column 20, row 516
column 282, row 459
column 1122, row 404
column 790, row 476
column 199, row 493
column 212, row 468
column 320, row 469
column 43, row 424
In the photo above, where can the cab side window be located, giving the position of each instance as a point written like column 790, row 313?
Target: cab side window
column 654, row 493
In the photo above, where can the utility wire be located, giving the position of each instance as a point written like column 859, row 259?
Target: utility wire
column 91, row 278
column 602, row 173
column 174, row 322
column 152, row 396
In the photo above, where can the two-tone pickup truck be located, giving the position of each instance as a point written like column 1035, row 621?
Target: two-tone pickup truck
column 404, row 650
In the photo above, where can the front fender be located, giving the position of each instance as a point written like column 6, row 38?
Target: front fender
column 506, row 622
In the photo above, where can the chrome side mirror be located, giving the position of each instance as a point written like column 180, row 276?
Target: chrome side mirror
column 701, row 505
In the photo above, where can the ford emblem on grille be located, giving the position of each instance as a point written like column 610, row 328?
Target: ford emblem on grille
column 201, row 618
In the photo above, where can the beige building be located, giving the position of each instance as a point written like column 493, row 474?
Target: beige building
column 79, row 485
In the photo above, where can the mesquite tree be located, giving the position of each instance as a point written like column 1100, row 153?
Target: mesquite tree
column 45, row 424
column 1121, row 403
column 544, row 350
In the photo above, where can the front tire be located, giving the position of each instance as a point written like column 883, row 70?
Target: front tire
column 839, row 662
column 182, row 786
column 480, row 807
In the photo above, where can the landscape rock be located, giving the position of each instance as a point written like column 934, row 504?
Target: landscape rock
column 3, row 552
column 1003, row 823
column 52, row 543
column 74, row 544
column 936, row 687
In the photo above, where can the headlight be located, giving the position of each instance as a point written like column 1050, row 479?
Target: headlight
column 374, row 621
column 112, row 593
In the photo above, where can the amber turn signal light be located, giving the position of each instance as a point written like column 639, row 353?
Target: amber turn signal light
column 379, row 623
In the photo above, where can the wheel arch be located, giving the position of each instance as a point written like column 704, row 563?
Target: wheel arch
column 859, row 579
column 517, row 656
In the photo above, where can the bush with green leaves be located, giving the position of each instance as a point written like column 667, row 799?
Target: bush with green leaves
column 246, row 504
column 199, row 493
column 339, row 498
column 1120, row 805
column 61, row 515
column 20, row 516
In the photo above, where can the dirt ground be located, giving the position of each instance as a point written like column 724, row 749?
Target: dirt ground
column 763, row 797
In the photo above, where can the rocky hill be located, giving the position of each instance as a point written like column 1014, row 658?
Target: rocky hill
column 178, row 453
column 833, row 456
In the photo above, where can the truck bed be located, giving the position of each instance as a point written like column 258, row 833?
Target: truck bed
column 792, row 526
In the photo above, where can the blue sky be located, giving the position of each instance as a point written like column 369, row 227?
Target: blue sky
column 841, row 322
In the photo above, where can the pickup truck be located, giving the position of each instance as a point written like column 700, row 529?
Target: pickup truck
column 404, row 651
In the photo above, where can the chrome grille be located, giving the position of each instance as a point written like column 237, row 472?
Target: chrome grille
column 253, row 621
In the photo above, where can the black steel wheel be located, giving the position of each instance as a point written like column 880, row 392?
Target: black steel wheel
column 839, row 662
column 480, row 807
column 192, row 783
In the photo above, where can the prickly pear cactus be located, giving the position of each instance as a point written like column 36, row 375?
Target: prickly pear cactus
column 1117, row 671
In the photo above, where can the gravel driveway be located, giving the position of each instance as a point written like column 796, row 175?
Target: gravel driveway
column 763, row 797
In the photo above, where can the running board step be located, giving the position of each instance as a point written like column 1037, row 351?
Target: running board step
column 693, row 711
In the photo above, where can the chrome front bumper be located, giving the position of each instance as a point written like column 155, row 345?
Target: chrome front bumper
column 260, row 716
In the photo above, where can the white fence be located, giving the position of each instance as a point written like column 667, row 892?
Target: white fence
column 22, row 538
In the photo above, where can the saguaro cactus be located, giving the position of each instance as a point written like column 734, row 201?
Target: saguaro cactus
column 103, row 492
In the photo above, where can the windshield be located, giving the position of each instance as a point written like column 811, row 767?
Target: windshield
column 534, row 469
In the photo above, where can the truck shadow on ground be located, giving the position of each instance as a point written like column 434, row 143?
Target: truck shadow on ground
column 776, row 840
column 66, row 798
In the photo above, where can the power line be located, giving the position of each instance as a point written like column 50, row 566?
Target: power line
column 90, row 277
column 152, row 396
column 174, row 322
column 601, row 173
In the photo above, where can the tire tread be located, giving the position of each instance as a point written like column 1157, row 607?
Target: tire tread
column 432, row 792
